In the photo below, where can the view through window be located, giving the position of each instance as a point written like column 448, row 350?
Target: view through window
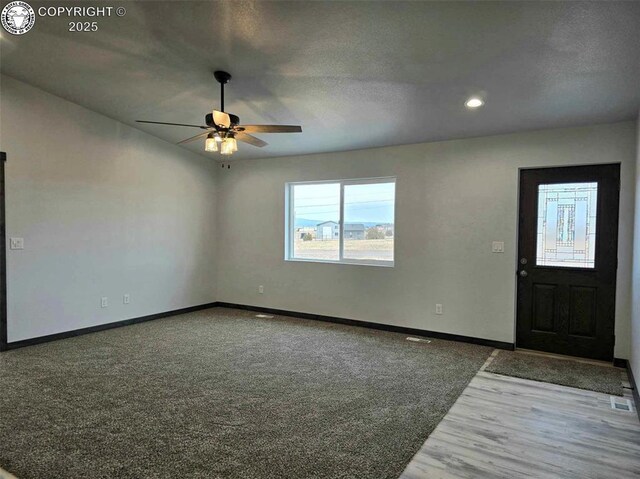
column 350, row 221
column 316, row 210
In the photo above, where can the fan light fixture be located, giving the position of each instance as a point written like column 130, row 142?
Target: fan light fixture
column 211, row 143
column 228, row 146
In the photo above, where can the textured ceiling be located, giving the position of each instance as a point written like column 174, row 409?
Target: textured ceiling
column 353, row 74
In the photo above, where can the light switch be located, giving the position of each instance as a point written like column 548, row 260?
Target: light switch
column 16, row 243
column 497, row 247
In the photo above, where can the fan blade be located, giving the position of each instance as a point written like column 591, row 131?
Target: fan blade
column 269, row 128
column 171, row 124
column 221, row 119
column 252, row 140
column 199, row 135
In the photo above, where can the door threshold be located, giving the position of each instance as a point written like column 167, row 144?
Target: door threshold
column 563, row 356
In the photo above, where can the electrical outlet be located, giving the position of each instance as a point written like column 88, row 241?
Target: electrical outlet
column 497, row 247
column 104, row 302
column 439, row 309
column 16, row 243
column 126, row 299
column 261, row 289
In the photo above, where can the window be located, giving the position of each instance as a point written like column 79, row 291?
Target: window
column 566, row 233
column 348, row 221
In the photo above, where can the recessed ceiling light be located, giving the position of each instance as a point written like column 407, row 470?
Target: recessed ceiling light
column 474, row 102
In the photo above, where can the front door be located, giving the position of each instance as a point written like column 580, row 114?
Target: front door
column 567, row 260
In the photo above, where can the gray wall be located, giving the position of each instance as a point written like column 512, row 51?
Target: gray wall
column 453, row 199
column 105, row 210
column 635, row 321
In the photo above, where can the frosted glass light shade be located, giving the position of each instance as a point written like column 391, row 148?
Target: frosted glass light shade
column 210, row 144
column 228, row 146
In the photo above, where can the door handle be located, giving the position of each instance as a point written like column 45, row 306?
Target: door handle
column 523, row 274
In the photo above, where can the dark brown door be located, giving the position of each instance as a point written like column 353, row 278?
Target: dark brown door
column 567, row 260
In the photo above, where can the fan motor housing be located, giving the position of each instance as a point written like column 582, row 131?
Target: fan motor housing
column 208, row 120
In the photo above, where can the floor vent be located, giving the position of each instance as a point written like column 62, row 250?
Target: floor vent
column 264, row 316
column 620, row 404
column 418, row 340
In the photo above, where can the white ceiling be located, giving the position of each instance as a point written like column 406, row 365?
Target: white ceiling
column 353, row 74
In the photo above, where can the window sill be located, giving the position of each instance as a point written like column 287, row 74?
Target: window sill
column 383, row 264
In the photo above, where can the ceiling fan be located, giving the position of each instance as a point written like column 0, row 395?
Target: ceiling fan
column 223, row 130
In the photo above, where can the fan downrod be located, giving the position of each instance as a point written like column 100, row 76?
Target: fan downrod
column 223, row 78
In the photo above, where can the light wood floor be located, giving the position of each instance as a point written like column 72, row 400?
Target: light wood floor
column 503, row 427
column 5, row 475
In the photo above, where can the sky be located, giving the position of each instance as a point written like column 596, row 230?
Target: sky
column 370, row 203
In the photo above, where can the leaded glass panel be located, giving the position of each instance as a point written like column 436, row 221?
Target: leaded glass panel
column 566, row 231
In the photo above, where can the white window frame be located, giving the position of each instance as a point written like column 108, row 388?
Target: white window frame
column 289, row 236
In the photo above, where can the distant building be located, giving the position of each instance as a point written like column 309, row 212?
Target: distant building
column 304, row 230
column 354, row 231
column 327, row 230
column 331, row 230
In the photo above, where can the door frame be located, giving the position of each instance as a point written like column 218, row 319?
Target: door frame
column 3, row 257
column 616, row 361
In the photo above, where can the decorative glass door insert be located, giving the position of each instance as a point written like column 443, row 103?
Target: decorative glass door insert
column 566, row 227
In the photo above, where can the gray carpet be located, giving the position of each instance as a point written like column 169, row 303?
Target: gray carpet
column 222, row 394
column 565, row 372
